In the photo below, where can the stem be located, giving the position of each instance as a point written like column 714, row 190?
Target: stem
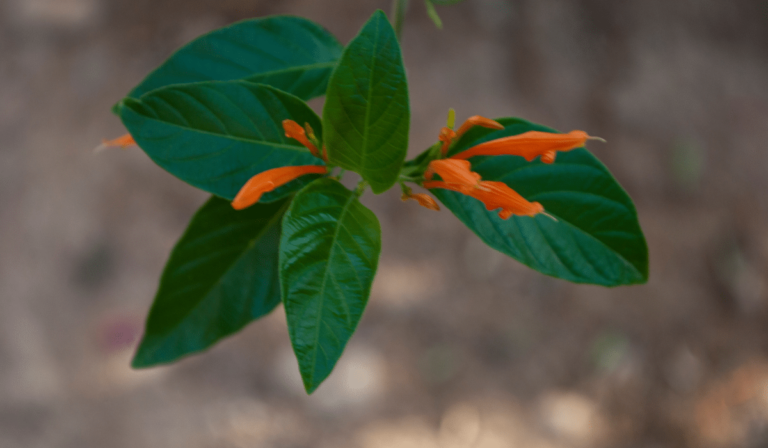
column 361, row 188
column 414, row 179
column 398, row 13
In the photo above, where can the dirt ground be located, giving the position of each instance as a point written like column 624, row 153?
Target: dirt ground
column 460, row 347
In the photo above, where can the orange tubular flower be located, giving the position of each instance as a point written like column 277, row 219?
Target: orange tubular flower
column 455, row 172
column 120, row 142
column 295, row 131
column 529, row 145
column 424, row 200
column 477, row 120
column 448, row 136
column 498, row 195
column 494, row 195
column 457, row 176
column 269, row 180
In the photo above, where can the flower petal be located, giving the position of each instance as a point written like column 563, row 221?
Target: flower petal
column 477, row 120
column 424, row 200
column 499, row 195
column 123, row 141
column 529, row 145
column 269, row 180
column 454, row 171
column 295, row 131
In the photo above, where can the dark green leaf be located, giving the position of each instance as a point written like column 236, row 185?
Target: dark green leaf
column 290, row 53
column 366, row 114
column 222, row 275
column 329, row 251
column 446, row 2
column 597, row 238
column 217, row 135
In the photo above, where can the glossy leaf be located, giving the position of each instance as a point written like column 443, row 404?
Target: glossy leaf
column 597, row 237
column 291, row 53
column 366, row 115
column 217, row 135
column 329, row 251
column 222, row 275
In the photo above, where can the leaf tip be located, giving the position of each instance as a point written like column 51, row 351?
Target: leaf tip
column 143, row 357
column 380, row 14
column 140, row 361
column 310, row 388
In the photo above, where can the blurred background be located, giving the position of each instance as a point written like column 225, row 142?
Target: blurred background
column 460, row 347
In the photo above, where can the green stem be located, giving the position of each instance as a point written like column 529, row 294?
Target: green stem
column 361, row 186
column 398, row 13
column 414, row 179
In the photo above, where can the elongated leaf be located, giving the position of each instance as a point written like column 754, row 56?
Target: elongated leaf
column 293, row 54
column 222, row 275
column 217, row 135
column 329, row 251
column 366, row 115
column 597, row 238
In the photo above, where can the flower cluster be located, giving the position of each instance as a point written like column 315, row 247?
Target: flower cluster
column 457, row 175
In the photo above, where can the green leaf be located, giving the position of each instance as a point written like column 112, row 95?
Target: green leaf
column 217, row 135
column 293, row 54
column 329, row 251
column 366, row 115
column 222, row 275
column 446, row 2
column 432, row 13
column 597, row 237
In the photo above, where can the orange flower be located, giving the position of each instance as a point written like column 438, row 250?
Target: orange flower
column 477, row 120
column 269, row 180
column 458, row 176
column 456, row 172
column 424, row 200
column 295, row 131
column 448, row 136
column 120, row 142
column 529, row 145
column 498, row 195
column 494, row 195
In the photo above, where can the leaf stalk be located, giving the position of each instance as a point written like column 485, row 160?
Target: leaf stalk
column 399, row 8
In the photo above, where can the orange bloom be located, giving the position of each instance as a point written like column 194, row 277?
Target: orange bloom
column 295, row 131
column 529, row 145
column 120, row 142
column 448, row 136
column 458, row 176
column 269, row 180
column 456, row 172
column 424, row 200
column 498, row 195
column 477, row 120
column 494, row 195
